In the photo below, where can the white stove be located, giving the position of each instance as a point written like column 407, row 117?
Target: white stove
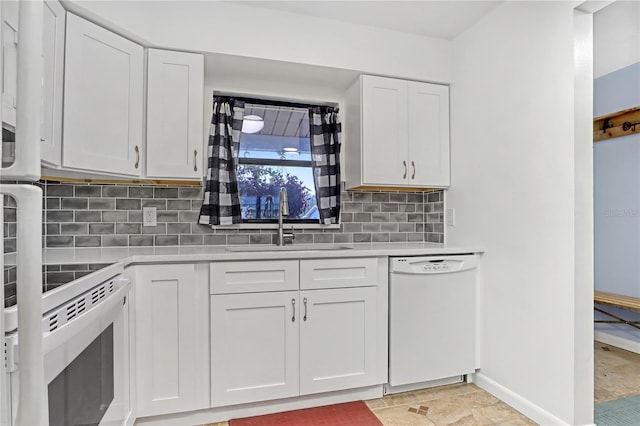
column 85, row 350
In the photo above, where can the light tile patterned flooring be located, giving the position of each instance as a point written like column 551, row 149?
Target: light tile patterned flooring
column 617, row 375
column 458, row 404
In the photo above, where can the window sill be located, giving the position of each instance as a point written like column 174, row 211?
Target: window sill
column 287, row 226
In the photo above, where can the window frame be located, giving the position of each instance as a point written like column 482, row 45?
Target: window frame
column 273, row 223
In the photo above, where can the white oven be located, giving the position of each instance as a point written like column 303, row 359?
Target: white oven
column 86, row 355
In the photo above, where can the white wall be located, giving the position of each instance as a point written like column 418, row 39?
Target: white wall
column 226, row 28
column 617, row 167
column 583, row 368
column 513, row 188
column 617, row 37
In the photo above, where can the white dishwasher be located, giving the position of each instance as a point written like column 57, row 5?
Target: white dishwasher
column 432, row 320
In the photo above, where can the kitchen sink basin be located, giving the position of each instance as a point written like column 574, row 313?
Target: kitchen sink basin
column 287, row 248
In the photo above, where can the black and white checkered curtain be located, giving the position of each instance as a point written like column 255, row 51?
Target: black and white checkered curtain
column 325, row 156
column 221, row 205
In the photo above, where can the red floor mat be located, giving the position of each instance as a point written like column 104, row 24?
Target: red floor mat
column 349, row 414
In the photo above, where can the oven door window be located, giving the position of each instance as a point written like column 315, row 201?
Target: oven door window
column 84, row 390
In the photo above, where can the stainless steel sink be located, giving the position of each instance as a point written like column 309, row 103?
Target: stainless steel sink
column 287, row 248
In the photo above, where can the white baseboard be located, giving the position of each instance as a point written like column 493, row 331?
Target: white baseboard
column 617, row 341
column 526, row 407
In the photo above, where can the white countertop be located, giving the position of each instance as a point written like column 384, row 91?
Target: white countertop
column 130, row 255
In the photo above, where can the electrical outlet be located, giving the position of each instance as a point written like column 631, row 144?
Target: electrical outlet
column 451, row 217
column 149, row 216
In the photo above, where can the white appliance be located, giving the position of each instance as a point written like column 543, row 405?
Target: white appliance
column 26, row 167
column 84, row 332
column 432, row 320
column 66, row 352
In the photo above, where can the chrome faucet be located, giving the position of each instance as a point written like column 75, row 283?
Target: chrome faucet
column 283, row 210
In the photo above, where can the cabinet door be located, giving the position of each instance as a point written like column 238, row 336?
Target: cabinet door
column 53, row 21
column 254, row 347
column 171, row 339
column 337, row 339
column 103, row 96
column 384, row 131
column 428, row 134
column 9, row 60
column 175, row 115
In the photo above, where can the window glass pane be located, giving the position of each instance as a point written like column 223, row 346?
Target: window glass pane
column 275, row 132
column 259, row 188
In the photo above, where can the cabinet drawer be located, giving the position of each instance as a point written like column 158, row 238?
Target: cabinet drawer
column 337, row 273
column 254, row 276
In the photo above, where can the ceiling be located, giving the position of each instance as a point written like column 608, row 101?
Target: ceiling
column 281, row 121
column 441, row 19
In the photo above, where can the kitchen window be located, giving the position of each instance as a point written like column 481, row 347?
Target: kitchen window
column 256, row 147
column 275, row 152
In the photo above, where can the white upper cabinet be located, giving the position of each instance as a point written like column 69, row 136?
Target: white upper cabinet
column 9, row 60
column 53, row 21
column 103, row 100
column 384, row 131
column 428, row 117
column 398, row 134
column 175, row 115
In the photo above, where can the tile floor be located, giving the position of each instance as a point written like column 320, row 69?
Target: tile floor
column 458, row 404
column 617, row 375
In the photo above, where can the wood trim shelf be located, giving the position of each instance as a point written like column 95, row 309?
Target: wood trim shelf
column 122, row 181
column 392, row 188
column 621, row 123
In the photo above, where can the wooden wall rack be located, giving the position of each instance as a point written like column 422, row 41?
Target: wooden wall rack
column 621, row 123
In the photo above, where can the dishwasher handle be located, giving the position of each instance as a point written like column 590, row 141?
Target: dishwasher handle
column 432, row 265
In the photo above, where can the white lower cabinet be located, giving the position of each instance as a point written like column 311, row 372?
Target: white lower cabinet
column 171, row 338
column 275, row 344
column 254, row 347
column 337, row 339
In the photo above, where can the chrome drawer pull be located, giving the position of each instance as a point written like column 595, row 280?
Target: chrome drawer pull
column 195, row 160
column 293, row 304
column 137, row 156
column 304, row 318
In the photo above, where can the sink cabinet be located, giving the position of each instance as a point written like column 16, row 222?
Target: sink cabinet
column 254, row 347
column 271, row 344
column 337, row 339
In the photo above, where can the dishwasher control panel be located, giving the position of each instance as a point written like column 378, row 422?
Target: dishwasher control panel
column 432, row 264
column 443, row 265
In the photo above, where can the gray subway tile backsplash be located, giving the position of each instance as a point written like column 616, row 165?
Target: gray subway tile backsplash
column 92, row 215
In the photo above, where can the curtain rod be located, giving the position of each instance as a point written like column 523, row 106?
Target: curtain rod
column 273, row 108
column 271, row 102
